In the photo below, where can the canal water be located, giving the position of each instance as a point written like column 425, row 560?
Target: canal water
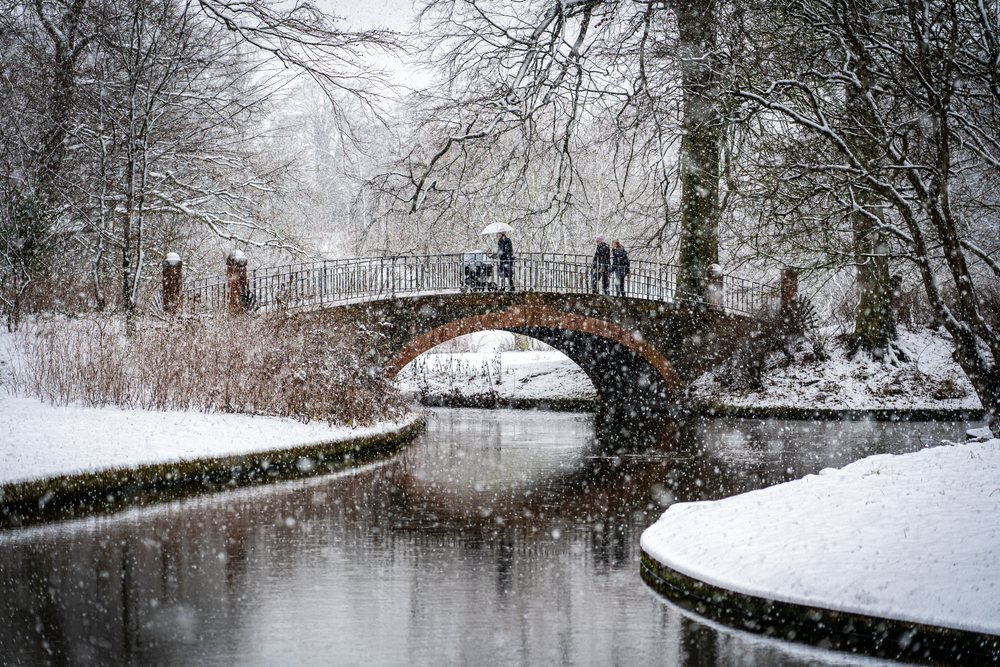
column 499, row 538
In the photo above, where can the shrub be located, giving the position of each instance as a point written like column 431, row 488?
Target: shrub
column 773, row 331
column 274, row 364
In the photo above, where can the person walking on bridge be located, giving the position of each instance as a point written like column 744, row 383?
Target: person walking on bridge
column 505, row 257
column 600, row 265
column 619, row 266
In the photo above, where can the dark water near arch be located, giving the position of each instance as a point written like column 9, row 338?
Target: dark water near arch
column 501, row 538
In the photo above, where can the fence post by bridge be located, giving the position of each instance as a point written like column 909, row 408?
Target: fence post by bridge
column 236, row 282
column 173, row 283
column 789, row 287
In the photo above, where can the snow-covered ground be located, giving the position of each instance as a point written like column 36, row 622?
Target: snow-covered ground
column 506, row 375
column 931, row 379
column 38, row 440
column 912, row 537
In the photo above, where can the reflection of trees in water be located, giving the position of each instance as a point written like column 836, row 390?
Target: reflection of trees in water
column 145, row 587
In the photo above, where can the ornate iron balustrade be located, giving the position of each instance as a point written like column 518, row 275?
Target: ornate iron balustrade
column 343, row 281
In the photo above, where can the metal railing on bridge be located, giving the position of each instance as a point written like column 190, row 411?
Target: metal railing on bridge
column 343, row 281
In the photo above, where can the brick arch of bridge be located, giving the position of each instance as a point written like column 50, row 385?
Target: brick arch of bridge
column 525, row 318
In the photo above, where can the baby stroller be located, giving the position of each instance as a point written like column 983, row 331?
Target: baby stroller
column 478, row 272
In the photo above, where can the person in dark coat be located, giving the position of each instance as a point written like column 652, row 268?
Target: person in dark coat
column 505, row 257
column 619, row 265
column 601, row 265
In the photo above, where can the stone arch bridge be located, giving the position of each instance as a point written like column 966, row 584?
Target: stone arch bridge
column 639, row 349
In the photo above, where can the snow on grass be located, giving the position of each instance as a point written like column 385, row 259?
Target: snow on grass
column 931, row 379
column 911, row 537
column 507, row 375
column 38, row 440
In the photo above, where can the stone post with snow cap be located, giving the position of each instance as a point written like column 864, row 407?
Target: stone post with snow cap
column 173, row 283
column 236, row 282
column 714, row 291
column 789, row 287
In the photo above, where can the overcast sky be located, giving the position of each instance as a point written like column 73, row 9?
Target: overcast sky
column 391, row 14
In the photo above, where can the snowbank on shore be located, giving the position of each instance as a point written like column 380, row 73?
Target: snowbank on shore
column 911, row 537
column 507, row 375
column 38, row 440
column 930, row 379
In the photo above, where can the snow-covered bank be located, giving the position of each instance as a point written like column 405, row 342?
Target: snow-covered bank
column 911, row 537
column 38, row 440
column 505, row 375
column 929, row 380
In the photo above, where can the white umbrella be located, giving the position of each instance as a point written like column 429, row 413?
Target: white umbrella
column 496, row 227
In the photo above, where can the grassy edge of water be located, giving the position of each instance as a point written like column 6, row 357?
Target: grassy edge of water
column 826, row 628
column 110, row 490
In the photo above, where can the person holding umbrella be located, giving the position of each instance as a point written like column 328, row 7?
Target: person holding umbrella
column 504, row 253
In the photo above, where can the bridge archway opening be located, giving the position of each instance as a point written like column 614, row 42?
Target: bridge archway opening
column 502, row 364
column 626, row 372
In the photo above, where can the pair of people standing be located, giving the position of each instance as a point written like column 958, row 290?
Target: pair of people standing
column 609, row 261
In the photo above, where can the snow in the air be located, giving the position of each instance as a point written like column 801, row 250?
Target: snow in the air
column 38, row 440
column 913, row 537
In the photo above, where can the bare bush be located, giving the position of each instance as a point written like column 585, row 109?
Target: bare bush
column 281, row 365
column 774, row 331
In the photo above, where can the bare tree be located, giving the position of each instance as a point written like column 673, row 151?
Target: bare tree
column 921, row 135
column 42, row 43
column 633, row 85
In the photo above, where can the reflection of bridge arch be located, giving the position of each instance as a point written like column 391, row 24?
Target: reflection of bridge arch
column 533, row 317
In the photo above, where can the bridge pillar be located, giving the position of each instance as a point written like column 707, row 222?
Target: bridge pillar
column 236, row 282
column 173, row 283
column 628, row 387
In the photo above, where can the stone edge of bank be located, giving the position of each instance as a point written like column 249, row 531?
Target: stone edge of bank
column 100, row 492
column 826, row 628
column 710, row 409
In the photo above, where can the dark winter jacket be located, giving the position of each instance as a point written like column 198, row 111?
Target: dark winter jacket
column 619, row 261
column 505, row 249
column 602, row 257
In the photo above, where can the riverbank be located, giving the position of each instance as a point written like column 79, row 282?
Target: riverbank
column 821, row 378
column 894, row 555
column 63, row 461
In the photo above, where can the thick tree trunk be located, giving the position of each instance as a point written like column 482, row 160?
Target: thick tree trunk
column 874, row 320
column 700, row 147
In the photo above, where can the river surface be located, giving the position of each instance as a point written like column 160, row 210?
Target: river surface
column 498, row 538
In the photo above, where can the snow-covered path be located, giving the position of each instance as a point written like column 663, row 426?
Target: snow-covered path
column 912, row 537
column 38, row 440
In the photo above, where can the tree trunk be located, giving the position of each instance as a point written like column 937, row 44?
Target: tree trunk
column 701, row 146
column 874, row 321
